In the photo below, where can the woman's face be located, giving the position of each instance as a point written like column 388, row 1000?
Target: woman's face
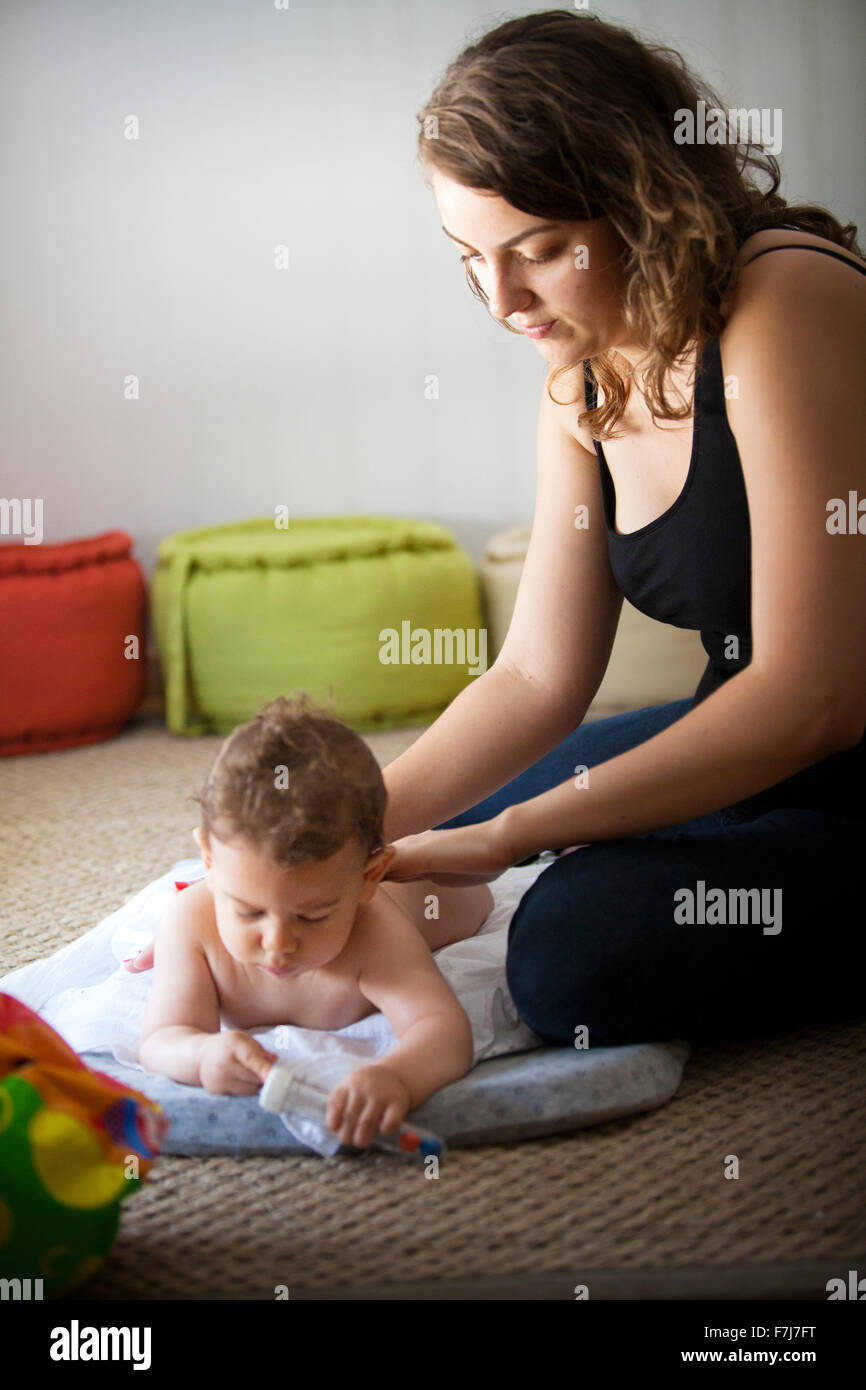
column 565, row 273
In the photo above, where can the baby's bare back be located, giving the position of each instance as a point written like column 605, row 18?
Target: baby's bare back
column 443, row 915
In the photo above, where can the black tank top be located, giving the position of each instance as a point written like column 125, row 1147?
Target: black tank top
column 691, row 567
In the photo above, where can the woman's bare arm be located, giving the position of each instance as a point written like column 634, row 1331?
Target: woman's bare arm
column 551, row 664
column 740, row 740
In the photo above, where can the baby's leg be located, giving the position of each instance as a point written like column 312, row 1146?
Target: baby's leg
column 443, row 914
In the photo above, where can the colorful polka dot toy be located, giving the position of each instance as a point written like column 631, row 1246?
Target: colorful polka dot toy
column 73, row 1144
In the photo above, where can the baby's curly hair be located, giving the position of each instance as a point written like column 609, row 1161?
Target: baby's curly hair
column 297, row 783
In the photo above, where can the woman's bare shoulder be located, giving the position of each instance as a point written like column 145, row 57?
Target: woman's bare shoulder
column 759, row 242
column 775, row 293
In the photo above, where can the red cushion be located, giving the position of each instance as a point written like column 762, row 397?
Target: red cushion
column 66, row 612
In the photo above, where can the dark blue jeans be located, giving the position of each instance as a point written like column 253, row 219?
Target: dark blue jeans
column 595, row 942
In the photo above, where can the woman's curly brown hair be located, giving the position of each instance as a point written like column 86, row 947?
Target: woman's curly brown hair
column 568, row 117
column 297, row 784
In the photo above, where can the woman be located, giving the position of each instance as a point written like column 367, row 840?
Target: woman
column 700, row 429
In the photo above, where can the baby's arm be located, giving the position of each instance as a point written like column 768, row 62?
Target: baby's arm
column 399, row 976
column 180, row 1034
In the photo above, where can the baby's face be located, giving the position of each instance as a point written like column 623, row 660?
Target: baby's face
column 287, row 921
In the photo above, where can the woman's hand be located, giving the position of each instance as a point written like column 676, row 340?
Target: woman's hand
column 469, row 854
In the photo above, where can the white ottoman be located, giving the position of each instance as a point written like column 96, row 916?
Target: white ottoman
column 651, row 663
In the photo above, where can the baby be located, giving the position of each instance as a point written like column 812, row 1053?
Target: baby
column 291, row 924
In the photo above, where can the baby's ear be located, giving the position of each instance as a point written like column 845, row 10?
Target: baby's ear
column 383, row 859
column 202, row 843
column 377, row 864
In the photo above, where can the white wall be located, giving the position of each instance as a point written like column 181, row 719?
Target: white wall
column 262, row 126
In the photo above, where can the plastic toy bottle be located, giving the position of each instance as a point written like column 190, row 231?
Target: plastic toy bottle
column 302, row 1101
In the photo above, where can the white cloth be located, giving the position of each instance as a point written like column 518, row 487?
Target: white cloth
column 97, row 1006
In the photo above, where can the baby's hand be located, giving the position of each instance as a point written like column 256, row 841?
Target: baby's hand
column 142, row 960
column 369, row 1099
column 232, row 1063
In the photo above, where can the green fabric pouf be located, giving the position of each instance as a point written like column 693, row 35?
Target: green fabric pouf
column 248, row 611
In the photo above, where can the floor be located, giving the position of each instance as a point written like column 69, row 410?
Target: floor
column 638, row 1207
